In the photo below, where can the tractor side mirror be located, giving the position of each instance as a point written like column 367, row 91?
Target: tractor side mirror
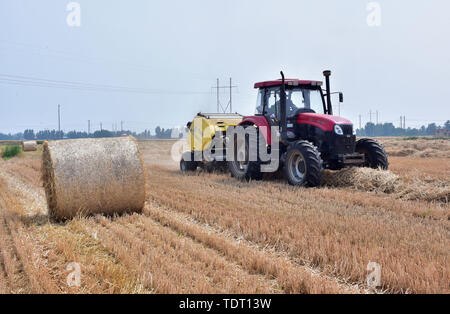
column 341, row 97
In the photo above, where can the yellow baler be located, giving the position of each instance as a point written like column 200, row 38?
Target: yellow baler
column 202, row 131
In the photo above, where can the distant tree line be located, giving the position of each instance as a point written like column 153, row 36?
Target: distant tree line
column 161, row 133
column 370, row 129
column 388, row 129
column 30, row 134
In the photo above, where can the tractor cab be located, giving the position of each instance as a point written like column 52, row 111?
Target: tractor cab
column 303, row 112
column 301, row 97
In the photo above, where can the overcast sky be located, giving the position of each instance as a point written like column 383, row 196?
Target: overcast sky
column 166, row 55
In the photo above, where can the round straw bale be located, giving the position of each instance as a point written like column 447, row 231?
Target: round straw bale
column 93, row 176
column 29, row 146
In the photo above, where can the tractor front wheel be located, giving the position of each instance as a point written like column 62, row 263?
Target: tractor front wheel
column 303, row 165
column 374, row 154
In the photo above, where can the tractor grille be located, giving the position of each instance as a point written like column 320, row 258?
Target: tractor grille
column 347, row 128
column 344, row 144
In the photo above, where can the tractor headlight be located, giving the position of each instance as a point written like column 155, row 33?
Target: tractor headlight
column 338, row 130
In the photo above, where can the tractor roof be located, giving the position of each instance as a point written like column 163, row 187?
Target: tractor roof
column 289, row 82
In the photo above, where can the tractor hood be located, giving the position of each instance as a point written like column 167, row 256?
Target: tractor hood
column 322, row 121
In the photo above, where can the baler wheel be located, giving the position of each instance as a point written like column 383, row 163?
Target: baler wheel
column 188, row 166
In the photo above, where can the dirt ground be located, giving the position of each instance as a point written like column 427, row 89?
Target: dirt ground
column 207, row 233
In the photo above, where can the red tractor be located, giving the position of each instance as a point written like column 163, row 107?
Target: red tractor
column 311, row 138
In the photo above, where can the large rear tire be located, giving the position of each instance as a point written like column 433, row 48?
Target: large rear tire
column 374, row 154
column 303, row 165
column 245, row 169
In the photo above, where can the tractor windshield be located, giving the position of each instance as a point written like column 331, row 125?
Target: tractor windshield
column 268, row 102
column 303, row 98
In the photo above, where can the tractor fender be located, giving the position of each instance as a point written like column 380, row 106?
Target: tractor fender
column 261, row 123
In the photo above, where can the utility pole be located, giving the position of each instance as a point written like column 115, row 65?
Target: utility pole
column 231, row 96
column 101, row 126
column 404, row 122
column 360, row 127
column 121, row 126
column 218, row 101
column 230, row 102
column 370, row 114
column 59, row 119
column 89, row 127
column 377, row 117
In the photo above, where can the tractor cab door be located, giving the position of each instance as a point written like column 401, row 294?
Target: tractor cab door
column 269, row 105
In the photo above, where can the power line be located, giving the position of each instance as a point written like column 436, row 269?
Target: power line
column 41, row 82
column 432, row 120
column 78, row 56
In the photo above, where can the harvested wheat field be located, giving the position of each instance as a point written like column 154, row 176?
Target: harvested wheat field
column 208, row 233
column 417, row 147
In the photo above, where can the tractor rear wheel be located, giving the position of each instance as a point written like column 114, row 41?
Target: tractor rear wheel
column 303, row 165
column 241, row 167
column 186, row 166
column 374, row 154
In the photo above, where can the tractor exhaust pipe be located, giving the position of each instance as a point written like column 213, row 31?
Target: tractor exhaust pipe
column 327, row 75
column 283, row 122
